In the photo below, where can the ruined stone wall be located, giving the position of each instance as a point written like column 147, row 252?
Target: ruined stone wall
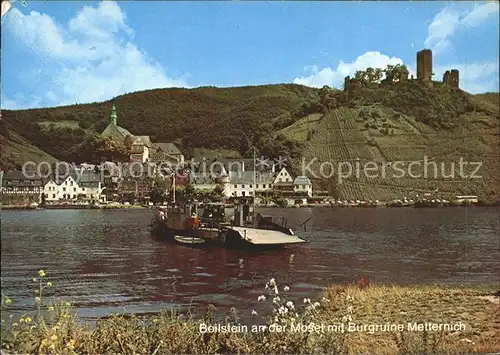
column 424, row 65
column 452, row 78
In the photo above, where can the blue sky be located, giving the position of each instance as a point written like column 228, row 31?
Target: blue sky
column 57, row 53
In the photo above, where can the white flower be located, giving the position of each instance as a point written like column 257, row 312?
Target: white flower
column 254, row 313
column 290, row 305
column 325, row 299
column 282, row 311
column 261, row 298
column 307, row 300
column 316, row 304
column 276, row 299
column 347, row 318
column 350, row 309
column 276, row 290
column 286, row 288
column 344, row 319
column 272, row 282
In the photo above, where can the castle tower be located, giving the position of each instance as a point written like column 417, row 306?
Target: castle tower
column 113, row 117
column 452, row 78
column 424, row 65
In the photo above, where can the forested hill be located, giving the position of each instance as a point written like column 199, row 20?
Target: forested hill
column 409, row 117
column 208, row 117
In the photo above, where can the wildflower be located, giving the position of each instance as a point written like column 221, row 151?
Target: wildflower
column 276, row 299
column 290, row 305
column 261, row 298
column 34, row 279
column 286, row 288
column 49, row 284
column 307, row 300
column 350, row 309
column 51, row 308
column 316, row 304
column 254, row 313
column 325, row 299
column 15, row 325
column 53, row 337
column 349, row 298
column 41, row 273
column 37, row 299
column 8, row 301
column 276, row 319
column 71, row 344
column 282, row 311
column 28, row 320
column 346, row 318
column 272, row 282
column 276, row 289
column 67, row 304
column 155, row 320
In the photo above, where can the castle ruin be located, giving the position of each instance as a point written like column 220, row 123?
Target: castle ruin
column 452, row 78
column 424, row 65
column 424, row 73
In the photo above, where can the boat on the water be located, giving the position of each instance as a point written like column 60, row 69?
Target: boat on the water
column 183, row 224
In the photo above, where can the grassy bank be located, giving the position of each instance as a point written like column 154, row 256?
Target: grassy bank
column 55, row 329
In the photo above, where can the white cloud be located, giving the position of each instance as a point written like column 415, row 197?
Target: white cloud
column 92, row 57
column 335, row 77
column 449, row 20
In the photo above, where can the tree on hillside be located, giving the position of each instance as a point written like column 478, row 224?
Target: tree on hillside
column 128, row 142
column 95, row 149
column 158, row 190
column 395, row 73
column 327, row 100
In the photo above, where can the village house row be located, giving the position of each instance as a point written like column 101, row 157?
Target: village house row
column 134, row 181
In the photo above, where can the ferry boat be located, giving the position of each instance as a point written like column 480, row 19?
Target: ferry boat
column 182, row 224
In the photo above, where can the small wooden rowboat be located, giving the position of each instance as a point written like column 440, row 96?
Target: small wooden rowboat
column 189, row 240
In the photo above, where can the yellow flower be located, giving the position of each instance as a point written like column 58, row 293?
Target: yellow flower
column 71, row 344
column 28, row 320
column 41, row 273
column 15, row 325
column 51, row 308
column 53, row 337
column 8, row 301
column 37, row 299
column 49, row 283
column 67, row 304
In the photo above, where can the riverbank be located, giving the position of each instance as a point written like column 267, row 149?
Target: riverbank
column 347, row 319
column 310, row 205
column 73, row 207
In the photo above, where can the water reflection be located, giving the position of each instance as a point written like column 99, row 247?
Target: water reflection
column 106, row 260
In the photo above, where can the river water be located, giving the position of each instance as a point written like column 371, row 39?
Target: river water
column 105, row 261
